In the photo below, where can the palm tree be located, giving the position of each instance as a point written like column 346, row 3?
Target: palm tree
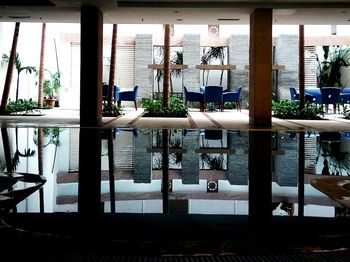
column 213, row 53
column 176, row 59
column 19, row 68
column 7, row 86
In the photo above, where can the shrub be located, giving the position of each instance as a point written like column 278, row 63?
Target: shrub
column 113, row 110
column 21, row 105
column 154, row 108
column 288, row 109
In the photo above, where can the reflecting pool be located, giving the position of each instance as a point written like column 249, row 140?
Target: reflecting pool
column 177, row 171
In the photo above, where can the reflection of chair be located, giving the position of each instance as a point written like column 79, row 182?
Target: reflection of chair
column 105, row 92
column 330, row 95
column 213, row 135
column 213, row 94
column 233, row 97
column 294, row 95
column 194, row 97
column 128, row 96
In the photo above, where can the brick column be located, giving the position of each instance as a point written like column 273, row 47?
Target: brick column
column 286, row 53
column 239, row 56
column 260, row 68
column 143, row 57
column 191, row 57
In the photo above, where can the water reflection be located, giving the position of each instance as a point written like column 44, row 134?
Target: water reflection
column 197, row 171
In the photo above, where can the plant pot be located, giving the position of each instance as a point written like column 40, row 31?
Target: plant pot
column 50, row 102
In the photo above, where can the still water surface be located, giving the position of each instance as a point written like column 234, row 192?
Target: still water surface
column 208, row 171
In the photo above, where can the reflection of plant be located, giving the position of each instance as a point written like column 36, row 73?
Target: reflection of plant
column 335, row 162
column 329, row 69
column 52, row 133
column 213, row 162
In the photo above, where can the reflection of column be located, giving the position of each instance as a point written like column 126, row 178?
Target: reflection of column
column 237, row 164
column 286, row 161
column 260, row 190
column 190, row 159
column 143, row 159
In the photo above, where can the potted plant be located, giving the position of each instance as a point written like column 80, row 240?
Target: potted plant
column 51, row 88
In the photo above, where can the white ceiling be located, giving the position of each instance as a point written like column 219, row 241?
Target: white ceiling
column 178, row 11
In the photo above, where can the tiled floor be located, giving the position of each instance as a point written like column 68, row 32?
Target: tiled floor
column 229, row 119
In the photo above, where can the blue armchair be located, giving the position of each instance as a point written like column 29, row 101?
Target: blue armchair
column 194, row 97
column 105, row 92
column 345, row 96
column 294, row 95
column 330, row 95
column 213, row 94
column 128, row 96
column 234, row 97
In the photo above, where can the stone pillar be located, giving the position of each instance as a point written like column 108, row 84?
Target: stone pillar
column 260, row 68
column 191, row 57
column 239, row 55
column 89, row 188
column 143, row 57
column 286, row 53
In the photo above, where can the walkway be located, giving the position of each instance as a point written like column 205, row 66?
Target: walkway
column 229, row 119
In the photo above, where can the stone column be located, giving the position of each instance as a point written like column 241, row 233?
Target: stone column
column 286, row 53
column 260, row 68
column 191, row 57
column 143, row 57
column 239, row 55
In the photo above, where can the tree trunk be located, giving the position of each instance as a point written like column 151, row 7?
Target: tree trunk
column 166, row 76
column 40, row 167
column 41, row 66
column 7, row 86
column 301, row 68
column 112, row 67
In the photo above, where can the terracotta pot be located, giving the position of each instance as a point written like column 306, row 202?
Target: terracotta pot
column 50, row 102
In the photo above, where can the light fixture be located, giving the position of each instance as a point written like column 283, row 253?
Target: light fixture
column 228, row 19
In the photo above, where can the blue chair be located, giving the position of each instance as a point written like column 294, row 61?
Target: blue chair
column 105, row 92
column 313, row 95
column 128, row 96
column 213, row 94
column 330, row 95
column 191, row 96
column 345, row 95
column 294, row 95
column 233, row 97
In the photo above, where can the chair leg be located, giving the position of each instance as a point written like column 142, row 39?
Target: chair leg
column 135, row 104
